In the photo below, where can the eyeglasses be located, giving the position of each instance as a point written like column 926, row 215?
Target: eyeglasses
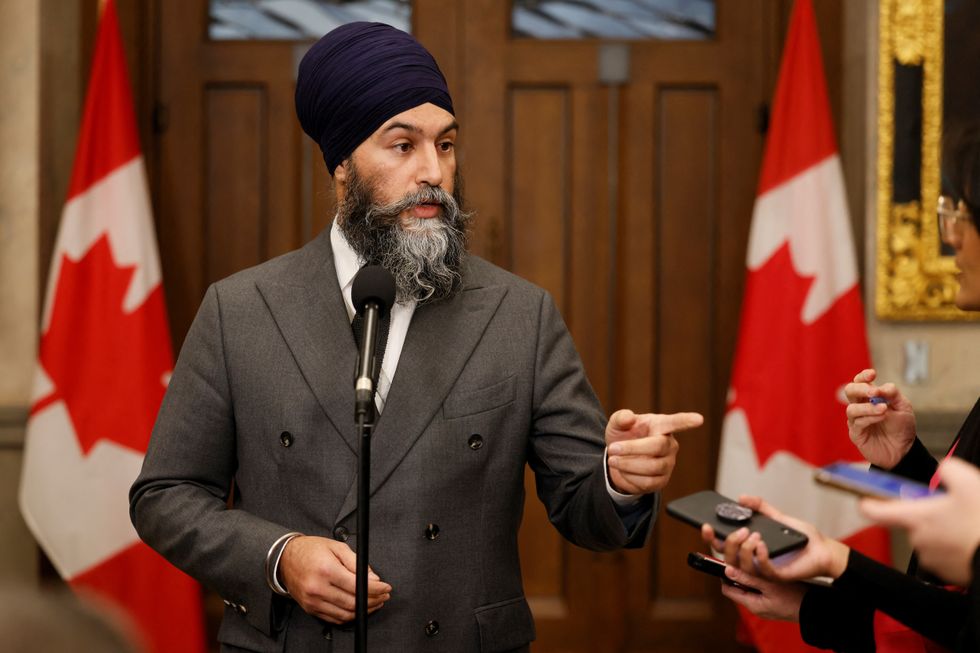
column 950, row 213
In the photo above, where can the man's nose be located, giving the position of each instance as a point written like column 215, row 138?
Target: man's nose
column 429, row 171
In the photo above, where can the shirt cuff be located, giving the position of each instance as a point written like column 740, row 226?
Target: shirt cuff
column 622, row 501
column 272, row 559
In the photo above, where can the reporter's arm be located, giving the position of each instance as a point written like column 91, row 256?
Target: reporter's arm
column 930, row 610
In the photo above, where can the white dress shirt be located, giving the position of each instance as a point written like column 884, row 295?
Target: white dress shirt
column 347, row 263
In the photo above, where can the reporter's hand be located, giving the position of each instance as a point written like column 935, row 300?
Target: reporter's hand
column 642, row 449
column 778, row 601
column 883, row 433
column 745, row 550
column 945, row 529
column 320, row 575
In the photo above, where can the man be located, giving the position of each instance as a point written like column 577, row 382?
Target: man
column 479, row 377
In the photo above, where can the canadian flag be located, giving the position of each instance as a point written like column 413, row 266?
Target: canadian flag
column 802, row 334
column 103, row 365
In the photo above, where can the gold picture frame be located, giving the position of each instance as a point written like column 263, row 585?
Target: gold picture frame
column 915, row 280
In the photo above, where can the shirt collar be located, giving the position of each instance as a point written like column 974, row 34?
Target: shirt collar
column 345, row 259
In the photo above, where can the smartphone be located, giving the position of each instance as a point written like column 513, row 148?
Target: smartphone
column 706, row 507
column 870, row 482
column 715, row 567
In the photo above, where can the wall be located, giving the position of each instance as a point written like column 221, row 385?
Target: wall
column 19, row 172
column 953, row 384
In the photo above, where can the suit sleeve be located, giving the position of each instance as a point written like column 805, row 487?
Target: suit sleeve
column 179, row 502
column 567, row 444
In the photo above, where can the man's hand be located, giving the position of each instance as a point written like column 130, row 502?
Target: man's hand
column 945, row 529
column 883, row 432
column 320, row 574
column 642, row 449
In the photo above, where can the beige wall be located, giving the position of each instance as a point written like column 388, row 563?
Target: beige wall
column 953, row 382
column 19, row 117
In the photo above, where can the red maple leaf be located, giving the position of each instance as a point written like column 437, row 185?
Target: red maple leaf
column 788, row 375
column 108, row 366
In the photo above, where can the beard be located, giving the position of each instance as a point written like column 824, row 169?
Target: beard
column 424, row 255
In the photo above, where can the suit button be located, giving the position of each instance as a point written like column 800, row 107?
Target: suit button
column 340, row 534
column 475, row 441
column 432, row 531
column 242, row 609
column 432, row 628
column 286, row 438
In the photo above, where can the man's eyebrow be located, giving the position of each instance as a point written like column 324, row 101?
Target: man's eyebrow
column 417, row 130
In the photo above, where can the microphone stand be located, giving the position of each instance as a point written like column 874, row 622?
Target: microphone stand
column 364, row 415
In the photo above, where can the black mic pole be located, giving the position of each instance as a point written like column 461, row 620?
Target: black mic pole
column 373, row 292
column 364, row 416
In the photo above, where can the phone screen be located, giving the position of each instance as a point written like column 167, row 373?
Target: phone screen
column 871, row 482
column 715, row 567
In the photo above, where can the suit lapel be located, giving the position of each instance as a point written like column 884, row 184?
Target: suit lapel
column 310, row 314
column 440, row 340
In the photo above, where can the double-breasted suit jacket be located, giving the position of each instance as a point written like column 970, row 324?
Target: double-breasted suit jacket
column 262, row 395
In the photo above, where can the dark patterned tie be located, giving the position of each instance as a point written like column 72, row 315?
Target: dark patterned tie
column 357, row 326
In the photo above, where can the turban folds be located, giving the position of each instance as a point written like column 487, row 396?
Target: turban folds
column 358, row 76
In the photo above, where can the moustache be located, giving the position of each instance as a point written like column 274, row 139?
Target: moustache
column 427, row 195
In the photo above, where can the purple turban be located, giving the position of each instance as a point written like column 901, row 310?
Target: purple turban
column 358, row 76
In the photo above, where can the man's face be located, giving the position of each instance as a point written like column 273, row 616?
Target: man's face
column 400, row 203
column 414, row 149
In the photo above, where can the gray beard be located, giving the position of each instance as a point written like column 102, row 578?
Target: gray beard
column 424, row 255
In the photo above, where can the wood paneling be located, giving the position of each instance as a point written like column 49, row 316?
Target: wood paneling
column 537, row 216
column 236, row 186
column 537, row 212
column 686, row 134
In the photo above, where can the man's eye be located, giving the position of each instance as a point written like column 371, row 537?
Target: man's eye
column 447, row 146
column 403, row 147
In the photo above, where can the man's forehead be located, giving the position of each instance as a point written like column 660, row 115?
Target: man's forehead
column 425, row 118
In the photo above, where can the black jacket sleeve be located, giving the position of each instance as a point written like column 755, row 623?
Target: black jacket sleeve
column 841, row 617
column 969, row 640
column 830, row 619
column 931, row 610
column 917, row 465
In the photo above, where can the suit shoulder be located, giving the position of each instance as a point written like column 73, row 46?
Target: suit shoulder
column 480, row 272
column 291, row 268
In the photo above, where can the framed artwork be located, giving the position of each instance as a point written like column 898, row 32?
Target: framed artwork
column 928, row 54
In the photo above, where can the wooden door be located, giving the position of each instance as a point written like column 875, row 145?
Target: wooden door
column 626, row 194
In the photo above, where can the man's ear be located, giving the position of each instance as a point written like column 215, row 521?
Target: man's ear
column 340, row 181
column 340, row 172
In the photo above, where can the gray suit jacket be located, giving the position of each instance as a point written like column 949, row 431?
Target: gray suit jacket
column 262, row 394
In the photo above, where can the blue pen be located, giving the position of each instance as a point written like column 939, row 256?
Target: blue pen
column 878, row 400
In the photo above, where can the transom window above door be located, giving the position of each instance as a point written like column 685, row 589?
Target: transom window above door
column 299, row 20
column 671, row 20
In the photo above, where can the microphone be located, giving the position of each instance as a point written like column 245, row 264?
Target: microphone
column 373, row 293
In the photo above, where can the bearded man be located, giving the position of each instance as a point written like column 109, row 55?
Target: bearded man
column 249, row 481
